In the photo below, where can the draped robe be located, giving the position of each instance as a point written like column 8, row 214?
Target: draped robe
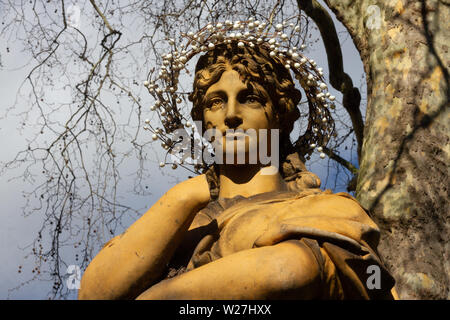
column 335, row 227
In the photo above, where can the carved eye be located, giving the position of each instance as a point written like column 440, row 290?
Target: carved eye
column 253, row 99
column 216, row 103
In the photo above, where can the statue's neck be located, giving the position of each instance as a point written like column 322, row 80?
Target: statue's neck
column 247, row 180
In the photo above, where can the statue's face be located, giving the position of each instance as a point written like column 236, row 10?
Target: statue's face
column 232, row 104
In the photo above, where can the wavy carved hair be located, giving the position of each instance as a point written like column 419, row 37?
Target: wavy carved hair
column 255, row 65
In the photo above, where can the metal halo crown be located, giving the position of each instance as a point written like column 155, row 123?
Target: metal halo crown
column 164, row 86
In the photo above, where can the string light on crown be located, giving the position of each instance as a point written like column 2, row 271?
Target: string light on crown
column 169, row 101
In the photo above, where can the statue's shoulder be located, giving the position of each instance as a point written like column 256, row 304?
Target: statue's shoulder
column 328, row 195
column 339, row 204
column 340, row 197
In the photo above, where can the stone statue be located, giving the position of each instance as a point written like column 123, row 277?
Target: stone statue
column 233, row 232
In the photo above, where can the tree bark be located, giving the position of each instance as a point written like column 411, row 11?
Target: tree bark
column 403, row 179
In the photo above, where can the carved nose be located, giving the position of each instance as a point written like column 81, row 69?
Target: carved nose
column 232, row 117
column 233, row 122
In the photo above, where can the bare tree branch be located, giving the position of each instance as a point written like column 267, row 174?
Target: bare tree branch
column 338, row 78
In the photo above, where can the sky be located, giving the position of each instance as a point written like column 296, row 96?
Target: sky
column 18, row 231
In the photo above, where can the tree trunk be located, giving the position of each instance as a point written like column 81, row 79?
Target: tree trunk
column 403, row 179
